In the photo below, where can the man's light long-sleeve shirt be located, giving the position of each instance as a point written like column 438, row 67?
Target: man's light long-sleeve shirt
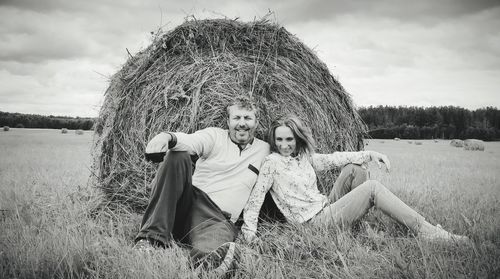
column 223, row 171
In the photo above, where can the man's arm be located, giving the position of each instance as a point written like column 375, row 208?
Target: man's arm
column 200, row 142
column 158, row 146
column 159, row 143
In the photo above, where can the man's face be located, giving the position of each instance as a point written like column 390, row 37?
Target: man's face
column 242, row 124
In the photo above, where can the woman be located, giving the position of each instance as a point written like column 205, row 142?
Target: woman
column 289, row 174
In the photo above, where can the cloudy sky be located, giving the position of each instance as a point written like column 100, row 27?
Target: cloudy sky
column 56, row 56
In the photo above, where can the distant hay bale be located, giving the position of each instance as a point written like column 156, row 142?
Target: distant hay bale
column 457, row 143
column 396, row 139
column 6, row 128
column 186, row 77
column 410, row 142
column 436, row 140
column 79, row 132
column 474, row 145
column 64, row 131
column 418, row 143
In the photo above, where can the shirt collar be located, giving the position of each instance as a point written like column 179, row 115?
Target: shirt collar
column 291, row 158
column 246, row 147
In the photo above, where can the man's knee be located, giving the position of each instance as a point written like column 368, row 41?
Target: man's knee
column 177, row 162
column 177, row 156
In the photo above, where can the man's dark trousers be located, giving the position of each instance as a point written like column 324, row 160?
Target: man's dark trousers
column 178, row 209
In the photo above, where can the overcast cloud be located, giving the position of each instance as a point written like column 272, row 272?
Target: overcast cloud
column 56, row 56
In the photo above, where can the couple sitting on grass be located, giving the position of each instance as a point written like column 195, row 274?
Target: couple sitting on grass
column 234, row 172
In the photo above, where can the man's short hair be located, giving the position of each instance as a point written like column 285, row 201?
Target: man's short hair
column 244, row 102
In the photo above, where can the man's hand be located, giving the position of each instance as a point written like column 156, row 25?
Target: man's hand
column 380, row 158
column 159, row 143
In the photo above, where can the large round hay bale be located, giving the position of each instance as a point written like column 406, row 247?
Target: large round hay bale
column 474, row 144
column 186, row 77
column 79, row 132
column 64, row 131
column 6, row 128
column 457, row 143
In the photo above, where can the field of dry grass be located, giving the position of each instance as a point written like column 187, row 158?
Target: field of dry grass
column 48, row 231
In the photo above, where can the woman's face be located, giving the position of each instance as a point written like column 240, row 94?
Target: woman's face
column 285, row 141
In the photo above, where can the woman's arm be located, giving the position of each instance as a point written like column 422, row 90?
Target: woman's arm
column 338, row 159
column 252, row 208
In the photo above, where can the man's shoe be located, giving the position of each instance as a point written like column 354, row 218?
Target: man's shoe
column 222, row 260
column 146, row 245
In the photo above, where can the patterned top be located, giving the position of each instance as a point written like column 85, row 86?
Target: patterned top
column 293, row 185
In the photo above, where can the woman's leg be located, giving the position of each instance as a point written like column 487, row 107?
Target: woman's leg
column 355, row 204
column 349, row 178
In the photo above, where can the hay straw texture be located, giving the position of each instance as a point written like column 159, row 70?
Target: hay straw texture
column 474, row 144
column 457, row 143
column 185, row 79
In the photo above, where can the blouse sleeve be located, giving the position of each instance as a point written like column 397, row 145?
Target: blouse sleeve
column 337, row 159
column 252, row 208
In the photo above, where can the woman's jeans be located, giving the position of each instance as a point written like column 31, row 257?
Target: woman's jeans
column 353, row 195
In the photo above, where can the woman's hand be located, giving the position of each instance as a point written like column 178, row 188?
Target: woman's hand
column 380, row 158
column 250, row 237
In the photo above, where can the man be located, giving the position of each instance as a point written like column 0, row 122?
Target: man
column 199, row 209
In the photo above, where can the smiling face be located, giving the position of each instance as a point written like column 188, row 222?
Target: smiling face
column 242, row 124
column 285, row 141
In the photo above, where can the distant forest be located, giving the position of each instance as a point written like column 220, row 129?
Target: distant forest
column 20, row 120
column 385, row 122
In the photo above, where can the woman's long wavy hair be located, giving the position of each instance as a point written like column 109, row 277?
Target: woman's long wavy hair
column 303, row 136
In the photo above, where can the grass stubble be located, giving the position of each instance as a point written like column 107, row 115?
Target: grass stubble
column 49, row 227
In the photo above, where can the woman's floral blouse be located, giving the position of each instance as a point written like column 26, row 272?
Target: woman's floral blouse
column 293, row 186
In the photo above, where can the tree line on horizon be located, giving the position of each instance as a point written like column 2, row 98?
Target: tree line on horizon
column 384, row 122
column 20, row 120
column 445, row 122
